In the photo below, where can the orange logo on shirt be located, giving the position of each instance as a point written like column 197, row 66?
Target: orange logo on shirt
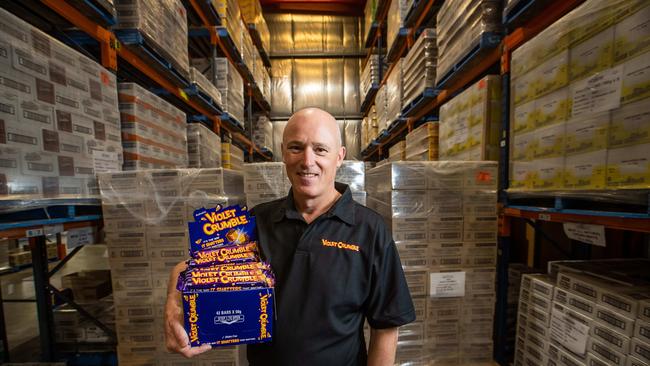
column 340, row 245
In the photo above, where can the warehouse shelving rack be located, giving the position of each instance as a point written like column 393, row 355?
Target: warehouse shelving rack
column 142, row 65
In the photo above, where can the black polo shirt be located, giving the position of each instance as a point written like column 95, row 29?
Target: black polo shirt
column 330, row 275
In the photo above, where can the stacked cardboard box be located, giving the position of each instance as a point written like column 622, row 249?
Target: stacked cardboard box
column 232, row 157
column 229, row 82
column 422, row 143
column 460, row 25
column 396, row 14
column 443, row 217
column 261, row 76
column 515, row 273
column 397, row 152
column 153, row 131
column 592, row 314
column 145, row 219
column 381, row 108
column 369, row 16
column 203, row 147
column 153, row 18
column 204, row 85
column 469, row 123
column 353, row 173
column 261, row 130
column 58, row 113
column 251, row 11
column 265, row 182
column 580, row 101
column 371, row 75
column 70, row 326
column 394, row 92
column 248, row 49
column 420, row 65
column 230, row 16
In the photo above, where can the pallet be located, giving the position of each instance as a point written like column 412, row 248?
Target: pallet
column 257, row 40
column 522, row 11
column 486, row 42
column 395, row 124
column 232, row 121
column 416, row 10
column 139, row 44
column 47, row 212
column 427, row 96
column 101, row 11
column 370, row 98
column 203, row 98
column 619, row 203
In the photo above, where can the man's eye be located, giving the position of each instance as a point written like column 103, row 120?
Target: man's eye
column 293, row 148
column 320, row 150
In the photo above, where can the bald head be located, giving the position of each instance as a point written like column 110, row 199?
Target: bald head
column 317, row 119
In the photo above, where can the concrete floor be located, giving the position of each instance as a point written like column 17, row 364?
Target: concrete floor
column 21, row 318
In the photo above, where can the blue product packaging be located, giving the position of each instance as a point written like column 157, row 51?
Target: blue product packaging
column 229, row 318
column 227, row 228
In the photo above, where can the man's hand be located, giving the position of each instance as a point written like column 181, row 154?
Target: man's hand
column 383, row 344
column 176, row 338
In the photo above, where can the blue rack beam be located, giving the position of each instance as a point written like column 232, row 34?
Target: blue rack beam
column 421, row 101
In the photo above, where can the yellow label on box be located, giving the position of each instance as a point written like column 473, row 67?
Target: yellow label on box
column 548, row 174
column 592, row 55
column 524, row 117
column 523, row 146
column 552, row 108
column 629, row 167
column 630, row 124
column 523, row 88
column 588, row 20
column 584, row 134
column 552, row 74
column 636, row 79
column 586, row 171
column 550, row 141
column 551, row 41
column 632, row 34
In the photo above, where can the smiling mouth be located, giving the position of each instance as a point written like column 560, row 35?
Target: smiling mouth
column 307, row 175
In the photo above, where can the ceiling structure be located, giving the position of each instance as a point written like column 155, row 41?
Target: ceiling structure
column 333, row 7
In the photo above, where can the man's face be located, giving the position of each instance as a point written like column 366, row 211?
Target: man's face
column 311, row 152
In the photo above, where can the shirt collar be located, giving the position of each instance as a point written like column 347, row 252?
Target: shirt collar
column 343, row 208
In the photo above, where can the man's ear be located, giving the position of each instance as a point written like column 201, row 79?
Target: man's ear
column 341, row 156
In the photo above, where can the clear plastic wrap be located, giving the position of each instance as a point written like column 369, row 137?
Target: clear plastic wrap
column 154, row 18
column 396, row 14
column 153, row 131
column 265, row 182
column 397, row 152
column 443, row 218
column 229, row 82
column 248, row 49
column 352, row 139
column 205, row 85
column 262, row 131
column 230, row 15
column 58, row 113
column 370, row 75
column 572, row 134
column 420, row 65
column 281, row 87
column 422, row 143
column 251, row 11
column 381, row 105
column 460, row 24
column 203, row 147
column 278, row 130
column 145, row 220
column 469, row 123
column 394, row 92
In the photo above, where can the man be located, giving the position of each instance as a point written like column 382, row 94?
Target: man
column 334, row 260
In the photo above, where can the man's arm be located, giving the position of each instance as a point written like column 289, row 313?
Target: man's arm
column 383, row 344
column 176, row 338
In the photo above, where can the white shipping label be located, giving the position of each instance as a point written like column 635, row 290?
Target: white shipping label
column 598, row 93
column 52, row 229
column 106, row 161
column 450, row 284
column 81, row 236
column 570, row 333
column 590, row 234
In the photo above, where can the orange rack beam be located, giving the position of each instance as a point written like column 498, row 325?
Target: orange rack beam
column 621, row 223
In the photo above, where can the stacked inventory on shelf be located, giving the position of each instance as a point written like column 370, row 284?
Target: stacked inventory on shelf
column 154, row 132
column 381, row 108
column 397, row 152
column 145, row 220
column 153, row 19
column 205, row 86
column 352, row 138
column 420, row 65
column 69, row 325
column 369, row 16
column 515, row 273
column 203, row 147
column 371, row 75
column 580, row 101
column 265, row 182
column 353, row 173
column 232, row 157
column 248, row 50
column 261, row 76
column 229, row 82
column 230, row 15
column 395, row 21
column 443, row 217
column 251, row 12
column 469, row 123
column 593, row 313
column 58, row 116
column 394, row 91
column 460, row 26
column 421, row 144
column 369, row 127
column 261, row 131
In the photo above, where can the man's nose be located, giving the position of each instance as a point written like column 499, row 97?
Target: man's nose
column 308, row 157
